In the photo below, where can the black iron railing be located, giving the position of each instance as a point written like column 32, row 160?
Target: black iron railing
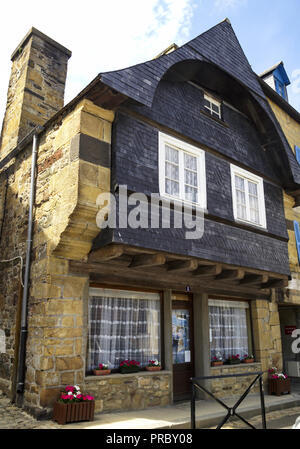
column 231, row 411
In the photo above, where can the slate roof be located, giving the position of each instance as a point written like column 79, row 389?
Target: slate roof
column 218, row 46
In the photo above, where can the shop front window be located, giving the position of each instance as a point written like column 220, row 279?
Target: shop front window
column 229, row 328
column 123, row 325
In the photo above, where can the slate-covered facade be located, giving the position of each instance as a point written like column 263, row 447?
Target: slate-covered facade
column 191, row 124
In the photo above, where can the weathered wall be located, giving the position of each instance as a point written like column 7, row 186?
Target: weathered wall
column 130, row 391
column 36, row 87
column 266, row 334
column 233, row 385
column 68, row 183
column 291, row 129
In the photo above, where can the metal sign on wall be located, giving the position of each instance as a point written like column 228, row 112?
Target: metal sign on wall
column 288, row 330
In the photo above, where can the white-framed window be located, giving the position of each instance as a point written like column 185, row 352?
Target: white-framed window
column 212, row 105
column 123, row 325
column 229, row 328
column 181, row 171
column 248, row 197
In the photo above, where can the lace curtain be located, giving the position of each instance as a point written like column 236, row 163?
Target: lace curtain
column 228, row 328
column 123, row 325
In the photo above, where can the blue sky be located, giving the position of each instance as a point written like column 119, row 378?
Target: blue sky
column 110, row 35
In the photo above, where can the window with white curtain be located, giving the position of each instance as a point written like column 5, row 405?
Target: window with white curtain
column 229, row 333
column 181, row 171
column 123, row 325
column 248, row 197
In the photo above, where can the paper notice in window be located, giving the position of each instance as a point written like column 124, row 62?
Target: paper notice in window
column 187, row 356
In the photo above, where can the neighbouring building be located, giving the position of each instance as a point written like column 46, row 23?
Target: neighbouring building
column 274, row 84
column 193, row 125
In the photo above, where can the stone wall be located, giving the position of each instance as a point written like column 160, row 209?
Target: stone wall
column 67, row 187
column 266, row 334
column 234, row 385
column 36, row 87
column 291, row 129
column 129, row 391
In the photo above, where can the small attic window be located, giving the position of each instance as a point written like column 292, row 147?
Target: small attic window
column 212, row 106
column 281, row 89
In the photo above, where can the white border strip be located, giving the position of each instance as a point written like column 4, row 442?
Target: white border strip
column 234, row 304
column 126, row 294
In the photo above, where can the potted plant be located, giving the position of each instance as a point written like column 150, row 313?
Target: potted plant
column 102, row 370
column 129, row 366
column 278, row 383
column 233, row 360
column 153, row 365
column 248, row 358
column 73, row 406
column 216, row 361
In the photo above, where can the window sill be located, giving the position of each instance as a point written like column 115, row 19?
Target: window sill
column 124, row 376
column 252, row 225
column 218, row 120
column 237, row 366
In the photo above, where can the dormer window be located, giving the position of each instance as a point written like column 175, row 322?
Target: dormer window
column 212, row 106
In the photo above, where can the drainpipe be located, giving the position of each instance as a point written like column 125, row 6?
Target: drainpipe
column 23, row 330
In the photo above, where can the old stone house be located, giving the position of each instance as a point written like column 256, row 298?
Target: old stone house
column 193, row 125
column 274, row 83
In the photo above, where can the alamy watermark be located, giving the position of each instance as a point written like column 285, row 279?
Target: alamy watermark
column 138, row 211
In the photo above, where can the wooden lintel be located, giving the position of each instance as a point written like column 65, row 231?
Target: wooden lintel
column 106, row 253
column 147, row 260
column 275, row 283
column 254, row 279
column 232, row 275
column 182, row 265
column 208, row 270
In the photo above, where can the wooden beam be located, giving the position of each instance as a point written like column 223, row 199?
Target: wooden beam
column 275, row 283
column 208, row 270
column 147, row 260
column 182, row 265
column 254, row 279
column 232, row 275
column 106, row 253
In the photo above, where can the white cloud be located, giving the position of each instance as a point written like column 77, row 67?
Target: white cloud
column 228, row 4
column 102, row 35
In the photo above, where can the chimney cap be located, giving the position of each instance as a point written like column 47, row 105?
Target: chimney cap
column 36, row 32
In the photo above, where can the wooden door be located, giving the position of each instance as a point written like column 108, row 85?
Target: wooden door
column 182, row 345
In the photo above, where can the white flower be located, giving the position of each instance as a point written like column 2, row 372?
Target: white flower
column 77, row 387
column 70, row 393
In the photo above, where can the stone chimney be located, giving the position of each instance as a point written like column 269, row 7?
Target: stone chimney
column 36, row 87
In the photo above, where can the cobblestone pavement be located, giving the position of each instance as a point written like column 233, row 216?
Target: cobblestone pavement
column 12, row 417
column 280, row 419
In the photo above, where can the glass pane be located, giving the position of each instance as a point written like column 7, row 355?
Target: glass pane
column 215, row 108
column 239, row 183
column 181, row 336
column 191, row 194
column 241, row 212
column 252, row 188
column 172, row 155
column 172, row 187
column 171, row 171
column 207, row 104
column 191, row 178
column 190, row 162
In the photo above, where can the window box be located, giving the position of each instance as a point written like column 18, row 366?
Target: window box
column 153, row 368
column 73, row 412
column 219, row 363
column 248, row 361
column 101, row 372
column 129, row 369
column 233, row 362
column 279, row 386
column 248, row 197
